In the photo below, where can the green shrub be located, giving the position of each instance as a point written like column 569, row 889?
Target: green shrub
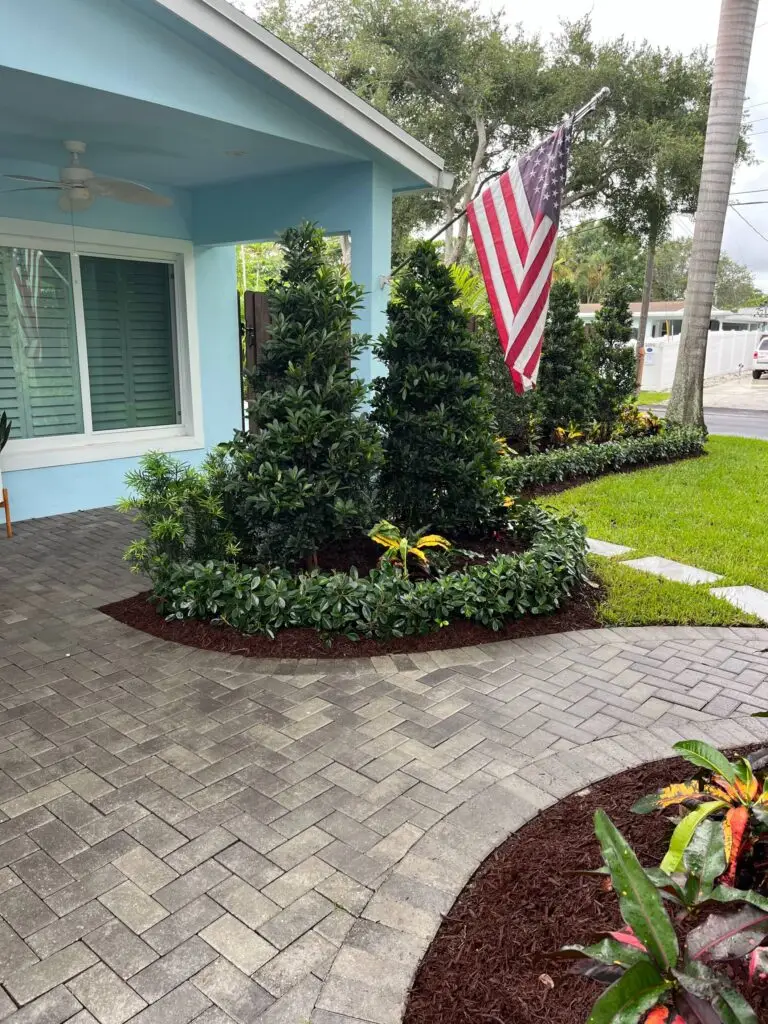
column 611, row 358
column 182, row 512
column 589, row 460
column 303, row 477
column 441, row 466
column 514, row 414
column 385, row 603
column 564, row 390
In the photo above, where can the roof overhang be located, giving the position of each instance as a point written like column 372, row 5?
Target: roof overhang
column 251, row 42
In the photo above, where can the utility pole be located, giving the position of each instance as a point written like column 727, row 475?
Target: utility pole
column 729, row 83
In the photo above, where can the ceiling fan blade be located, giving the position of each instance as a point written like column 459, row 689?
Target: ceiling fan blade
column 127, row 192
column 31, row 188
column 30, row 177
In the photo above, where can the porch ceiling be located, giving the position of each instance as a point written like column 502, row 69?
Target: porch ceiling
column 134, row 139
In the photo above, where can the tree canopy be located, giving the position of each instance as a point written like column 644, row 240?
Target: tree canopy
column 596, row 258
column 477, row 92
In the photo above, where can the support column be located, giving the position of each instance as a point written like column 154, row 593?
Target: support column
column 371, row 230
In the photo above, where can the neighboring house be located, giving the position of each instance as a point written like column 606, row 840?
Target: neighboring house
column 729, row 346
column 666, row 318
column 118, row 321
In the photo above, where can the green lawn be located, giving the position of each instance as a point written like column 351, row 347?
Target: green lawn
column 638, row 599
column 710, row 512
column 653, row 397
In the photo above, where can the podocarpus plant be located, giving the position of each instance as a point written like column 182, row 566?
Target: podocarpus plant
column 564, row 391
column 442, row 468
column 303, row 476
column 611, row 358
column 649, row 978
column 182, row 511
column 730, row 790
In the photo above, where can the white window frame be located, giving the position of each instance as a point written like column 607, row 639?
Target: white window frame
column 103, row 445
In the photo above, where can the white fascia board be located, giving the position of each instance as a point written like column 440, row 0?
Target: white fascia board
column 253, row 43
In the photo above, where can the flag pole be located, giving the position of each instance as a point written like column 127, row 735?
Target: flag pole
column 571, row 119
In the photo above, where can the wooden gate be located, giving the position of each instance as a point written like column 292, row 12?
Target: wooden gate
column 254, row 326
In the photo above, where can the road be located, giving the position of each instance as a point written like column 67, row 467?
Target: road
column 738, row 422
column 738, row 406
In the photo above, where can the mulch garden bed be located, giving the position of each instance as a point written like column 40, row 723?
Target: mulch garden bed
column 579, row 613
column 491, row 960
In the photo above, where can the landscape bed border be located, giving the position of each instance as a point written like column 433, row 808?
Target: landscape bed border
column 403, row 916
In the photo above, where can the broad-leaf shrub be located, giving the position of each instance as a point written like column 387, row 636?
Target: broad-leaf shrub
column 385, row 603
column 303, row 476
column 181, row 510
column 441, row 464
column 564, row 390
column 589, row 460
column 611, row 358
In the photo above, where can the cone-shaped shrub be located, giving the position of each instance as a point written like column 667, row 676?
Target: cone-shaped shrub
column 565, row 384
column 442, row 467
column 302, row 478
column 612, row 357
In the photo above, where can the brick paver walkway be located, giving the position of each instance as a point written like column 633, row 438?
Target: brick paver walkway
column 190, row 836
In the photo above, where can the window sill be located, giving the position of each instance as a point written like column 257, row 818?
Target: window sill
column 42, row 452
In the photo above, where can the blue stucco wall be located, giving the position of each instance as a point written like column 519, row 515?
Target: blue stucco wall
column 166, row 72
column 356, row 198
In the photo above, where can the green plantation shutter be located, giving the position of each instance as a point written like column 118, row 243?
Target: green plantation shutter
column 39, row 371
column 129, row 336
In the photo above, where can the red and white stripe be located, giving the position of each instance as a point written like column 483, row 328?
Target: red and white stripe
column 516, row 249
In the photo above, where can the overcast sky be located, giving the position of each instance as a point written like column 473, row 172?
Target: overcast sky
column 682, row 25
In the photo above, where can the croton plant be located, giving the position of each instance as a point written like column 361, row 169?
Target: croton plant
column 653, row 977
column 729, row 790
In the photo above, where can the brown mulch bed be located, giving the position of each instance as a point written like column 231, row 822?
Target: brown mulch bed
column 491, row 960
column 138, row 612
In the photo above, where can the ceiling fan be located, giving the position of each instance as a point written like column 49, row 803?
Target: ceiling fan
column 79, row 186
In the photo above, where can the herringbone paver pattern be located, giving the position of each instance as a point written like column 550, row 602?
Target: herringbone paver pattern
column 190, row 836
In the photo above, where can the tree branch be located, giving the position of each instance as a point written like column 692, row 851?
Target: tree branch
column 469, row 189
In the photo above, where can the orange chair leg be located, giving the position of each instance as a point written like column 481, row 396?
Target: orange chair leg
column 7, row 507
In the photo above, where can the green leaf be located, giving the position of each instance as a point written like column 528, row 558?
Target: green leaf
column 683, row 834
column 744, row 771
column 629, row 998
column 704, row 860
column 726, row 894
column 607, row 951
column 705, row 756
column 734, row 1008
column 728, row 936
column 639, row 901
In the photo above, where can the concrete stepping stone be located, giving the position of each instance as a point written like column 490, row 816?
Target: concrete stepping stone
column 747, row 599
column 602, row 547
column 670, row 570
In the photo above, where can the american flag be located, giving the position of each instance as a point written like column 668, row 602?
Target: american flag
column 26, row 286
column 514, row 224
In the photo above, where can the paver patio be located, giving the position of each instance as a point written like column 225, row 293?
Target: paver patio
column 194, row 836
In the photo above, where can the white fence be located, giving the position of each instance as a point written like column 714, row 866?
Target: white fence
column 725, row 351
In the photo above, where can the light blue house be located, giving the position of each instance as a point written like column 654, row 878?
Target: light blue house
column 118, row 320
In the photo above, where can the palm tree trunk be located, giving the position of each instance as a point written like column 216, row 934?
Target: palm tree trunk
column 650, row 259
column 734, row 45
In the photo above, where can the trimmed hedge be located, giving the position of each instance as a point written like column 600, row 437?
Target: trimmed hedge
column 528, row 471
column 385, row 603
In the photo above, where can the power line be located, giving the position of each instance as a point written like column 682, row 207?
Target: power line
column 749, row 191
column 749, row 223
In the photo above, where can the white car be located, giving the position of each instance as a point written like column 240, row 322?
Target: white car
column 760, row 358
